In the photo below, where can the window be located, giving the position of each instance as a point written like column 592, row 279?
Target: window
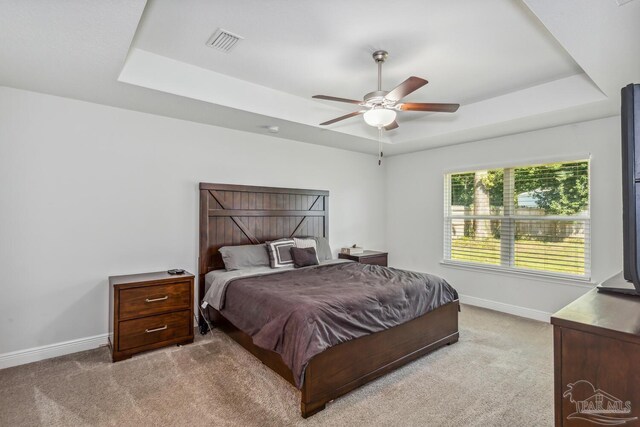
column 527, row 218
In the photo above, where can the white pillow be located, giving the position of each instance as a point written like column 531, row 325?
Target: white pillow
column 305, row 243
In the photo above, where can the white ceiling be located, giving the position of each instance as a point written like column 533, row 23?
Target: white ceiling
column 513, row 66
column 468, row 50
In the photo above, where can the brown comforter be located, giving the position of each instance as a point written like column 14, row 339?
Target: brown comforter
column 300, row 313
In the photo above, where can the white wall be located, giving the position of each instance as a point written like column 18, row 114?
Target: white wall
column 415, row 211
column 88, row 191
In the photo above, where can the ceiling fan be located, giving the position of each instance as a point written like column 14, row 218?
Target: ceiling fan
column 379, row 107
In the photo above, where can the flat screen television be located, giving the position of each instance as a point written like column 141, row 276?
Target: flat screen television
column 629, row 281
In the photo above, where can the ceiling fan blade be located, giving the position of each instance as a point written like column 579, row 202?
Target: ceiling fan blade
column 405, row 88
column 346, row 116
column 333, row 98
column 423, row 106
column 393, row 125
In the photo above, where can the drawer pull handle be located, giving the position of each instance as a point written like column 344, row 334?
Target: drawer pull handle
column 156, row 329
column 157, row 299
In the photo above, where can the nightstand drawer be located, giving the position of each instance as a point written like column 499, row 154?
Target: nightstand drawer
column 146, row 300
column 154, row 329
column 375, row 260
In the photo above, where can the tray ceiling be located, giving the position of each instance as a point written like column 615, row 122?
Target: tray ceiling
column 513, row 66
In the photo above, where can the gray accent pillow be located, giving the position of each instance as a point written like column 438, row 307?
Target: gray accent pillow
column 280, row 252
column 323, row 249
column 244, row 256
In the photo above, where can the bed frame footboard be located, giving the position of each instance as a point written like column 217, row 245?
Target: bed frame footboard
column 342, row 368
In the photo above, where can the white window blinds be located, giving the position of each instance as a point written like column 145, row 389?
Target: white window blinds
column 533, row 218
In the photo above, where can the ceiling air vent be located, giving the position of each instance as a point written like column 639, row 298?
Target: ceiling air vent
column 223, row 40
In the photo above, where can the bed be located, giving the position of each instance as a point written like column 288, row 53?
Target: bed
column 238, row 215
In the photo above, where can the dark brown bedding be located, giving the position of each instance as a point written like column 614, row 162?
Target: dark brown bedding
column 300, row 313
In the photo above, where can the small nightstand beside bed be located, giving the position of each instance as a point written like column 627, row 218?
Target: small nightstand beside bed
column 149, row 311
column 367, row 257
column 328, row 328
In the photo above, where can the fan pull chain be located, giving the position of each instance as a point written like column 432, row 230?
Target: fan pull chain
column 380, row 154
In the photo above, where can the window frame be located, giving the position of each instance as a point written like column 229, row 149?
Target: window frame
column 507, row 264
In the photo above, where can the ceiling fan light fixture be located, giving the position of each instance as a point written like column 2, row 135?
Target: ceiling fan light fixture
column 379, row 117
column 380, row 106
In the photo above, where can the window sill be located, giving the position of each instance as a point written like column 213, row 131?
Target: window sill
column 582, row 282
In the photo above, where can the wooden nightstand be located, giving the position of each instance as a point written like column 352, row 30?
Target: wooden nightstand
column 368, row 257
column 148, row 311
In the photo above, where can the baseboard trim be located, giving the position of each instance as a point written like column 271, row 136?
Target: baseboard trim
column 516, row 310
column 35, row 354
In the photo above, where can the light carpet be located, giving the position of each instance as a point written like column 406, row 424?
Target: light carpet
column 500, row 373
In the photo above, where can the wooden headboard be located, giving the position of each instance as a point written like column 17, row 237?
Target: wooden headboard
column 243, row 214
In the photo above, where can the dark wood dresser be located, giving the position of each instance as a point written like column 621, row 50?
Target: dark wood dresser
column 368, row 257
column 148, row 311
column 597, row 361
